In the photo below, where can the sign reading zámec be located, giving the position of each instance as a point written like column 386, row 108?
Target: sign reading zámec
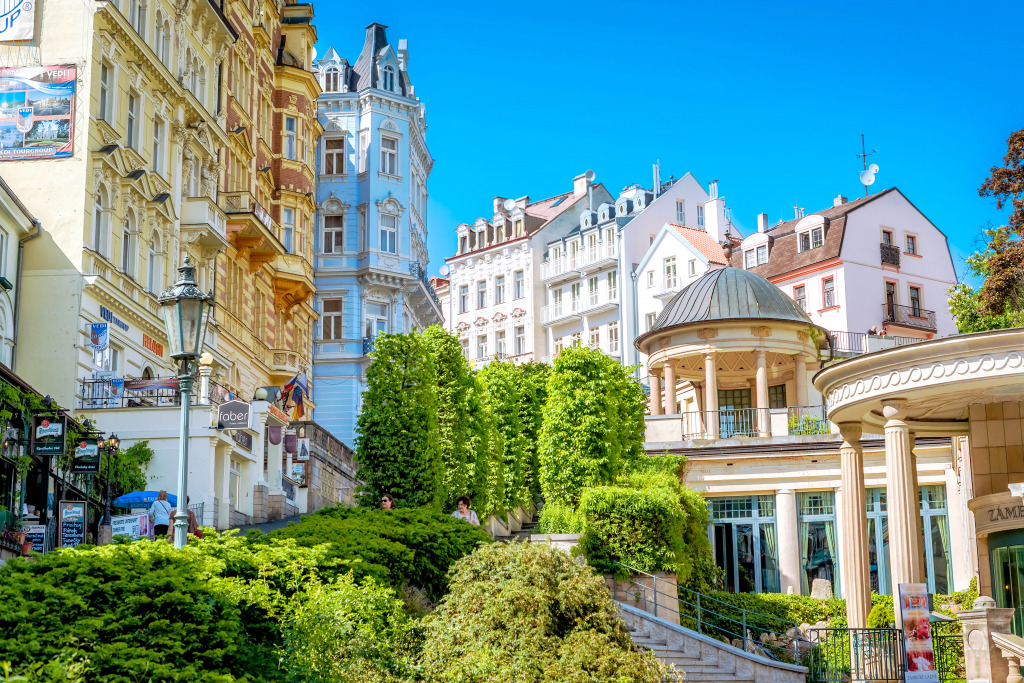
column 233, row 415
column 48, row 435
column 917, row 634
column 36, row 109
column 132, row 526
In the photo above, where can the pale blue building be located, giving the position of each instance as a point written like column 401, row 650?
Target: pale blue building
column 371, row 241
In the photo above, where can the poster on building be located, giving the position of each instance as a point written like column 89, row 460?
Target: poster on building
column 98, row 336
column 37, row 108
column 48, row 435
column 917, row 633
column 87, row 457
column 72, row 523
column 36, row 535
column 303, row 452
column 132, row 526
column 17, row 20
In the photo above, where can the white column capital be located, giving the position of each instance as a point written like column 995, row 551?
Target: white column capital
column 894, row 409
column 851, row 433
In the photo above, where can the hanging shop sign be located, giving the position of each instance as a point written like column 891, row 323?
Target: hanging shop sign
column 72, row 523
column 17, row 20
column 99, row 336
column 36, row 535
column 36, row 103
column 151, row 384
column 242, row 439
column 48, row 435
column 917, row 634
column 87, row 457
column 113, row 319
column 233, row 415
column 132, row 526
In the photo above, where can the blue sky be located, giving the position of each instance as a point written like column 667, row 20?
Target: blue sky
column 768, row 98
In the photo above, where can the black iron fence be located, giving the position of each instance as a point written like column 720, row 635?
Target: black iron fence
column 807, row 420
column 890, row 254
column 949, row 657
column 143, row 393
column 909, row 316
column 855, row 655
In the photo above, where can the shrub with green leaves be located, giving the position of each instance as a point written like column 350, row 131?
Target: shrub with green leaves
column 560, row 519
column 454, row 420
column 393, row 547
column 344, row 632
column 529, row 613
column 397, row 444
column 504, row 392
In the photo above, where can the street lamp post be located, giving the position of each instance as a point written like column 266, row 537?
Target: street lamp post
column 186, row 311
column 110, row 445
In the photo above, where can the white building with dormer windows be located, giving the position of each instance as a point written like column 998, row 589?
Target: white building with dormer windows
column 371, row 242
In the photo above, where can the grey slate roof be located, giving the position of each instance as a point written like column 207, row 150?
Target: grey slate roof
column 729, row 294
column 363, row 75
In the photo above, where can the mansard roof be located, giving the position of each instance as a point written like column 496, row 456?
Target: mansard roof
column 364, row 73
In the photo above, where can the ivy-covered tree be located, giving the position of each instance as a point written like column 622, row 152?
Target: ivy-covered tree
column 589, row 427
column 488, row 462
column 397, row 438
column 454, row 421
column 531, row 406
column 503, row 386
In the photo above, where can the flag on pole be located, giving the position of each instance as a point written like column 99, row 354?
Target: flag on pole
column 295, row 390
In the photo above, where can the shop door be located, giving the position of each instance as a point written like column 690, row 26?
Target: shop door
column 1008, row 580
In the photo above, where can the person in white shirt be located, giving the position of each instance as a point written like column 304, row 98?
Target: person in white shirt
column 464, row 513
column 160, row 514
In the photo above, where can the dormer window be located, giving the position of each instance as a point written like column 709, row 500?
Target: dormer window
column 812, row 239
column 332, row 80
column 389, row 78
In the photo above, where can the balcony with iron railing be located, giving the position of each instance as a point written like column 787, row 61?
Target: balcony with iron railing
column 158, row 392
column 559, row 269
column 561, row 312
column 730, row 423
column 670, row 289
column 603, row 254
column 849, row 344
column 890, row 254
column 597, row 303
column 913, row 317
column 417, row 270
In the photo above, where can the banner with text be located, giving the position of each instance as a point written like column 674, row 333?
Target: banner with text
column 917, row 633
column 36, row 110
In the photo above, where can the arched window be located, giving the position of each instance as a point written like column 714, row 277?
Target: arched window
column 389, row 78
column 99, row 221
column 155, row 267
column 128, row 245
column 165, row 54
column 332, row 80
column 147, row 373
column 140, row 20
column 158, row 35
column 201, row 92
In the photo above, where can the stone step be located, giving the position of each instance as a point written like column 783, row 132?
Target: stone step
column 714, row 676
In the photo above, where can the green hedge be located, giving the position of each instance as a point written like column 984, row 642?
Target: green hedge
column 407, row 546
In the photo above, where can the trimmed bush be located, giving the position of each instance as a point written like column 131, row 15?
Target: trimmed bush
column 560, row 519
column 529, row 613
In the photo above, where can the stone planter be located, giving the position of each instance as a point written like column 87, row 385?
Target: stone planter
column 656, row 594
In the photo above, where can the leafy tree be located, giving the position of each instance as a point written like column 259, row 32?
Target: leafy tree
column 527, row 612
column 1004, row 256
column 397, row 434
column 127, row 468
column 454, row 421
column 531, row 406
column 486, row 479
column 965, row 303
column 503, row 392
column 592, row 424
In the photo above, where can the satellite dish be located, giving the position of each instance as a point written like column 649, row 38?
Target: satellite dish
column 312, row 57
column 867, row 176
column 590, row 175
column 509, row 204
column 444, row 270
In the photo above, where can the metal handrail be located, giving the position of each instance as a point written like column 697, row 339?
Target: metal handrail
column 707, row 620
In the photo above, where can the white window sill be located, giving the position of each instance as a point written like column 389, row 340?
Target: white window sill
column 388, row 176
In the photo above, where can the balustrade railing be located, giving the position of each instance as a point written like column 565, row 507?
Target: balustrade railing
column 803, row 420
column 726, row 423
column 890, row 254
column 908, row 316
column 156, row 392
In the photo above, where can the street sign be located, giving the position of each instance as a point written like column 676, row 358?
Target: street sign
column 48, row 435
column 72, row 523
column 233, row 415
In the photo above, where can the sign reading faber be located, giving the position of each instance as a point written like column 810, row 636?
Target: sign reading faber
column 233, row 415
column 36, row 102
column 72, row 523
column 917, row 634
column 87, row 457
column 17, row 20
column 48, row 435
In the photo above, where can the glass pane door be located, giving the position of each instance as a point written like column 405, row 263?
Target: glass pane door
column 1007, row 565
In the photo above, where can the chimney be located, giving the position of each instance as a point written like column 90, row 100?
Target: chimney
column 657, row 179
column 839, row 201
column 713, row 189
column 499, row 205
column 579, row 185
column 715, row 223
column 798, row 212
column 762, row 222
column 403, row 54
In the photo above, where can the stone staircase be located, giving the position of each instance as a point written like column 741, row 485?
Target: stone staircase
column 525, row 531
column 702, row 658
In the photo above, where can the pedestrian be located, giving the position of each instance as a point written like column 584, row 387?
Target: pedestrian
column 160, row 514
column 464, row 512
column 387, row 502
column 873, row 330
column 193, row 523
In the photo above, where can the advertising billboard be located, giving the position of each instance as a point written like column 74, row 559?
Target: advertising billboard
column 37, row 109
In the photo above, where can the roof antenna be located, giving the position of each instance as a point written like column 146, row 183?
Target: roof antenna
column 867, row 176
column 657, row 178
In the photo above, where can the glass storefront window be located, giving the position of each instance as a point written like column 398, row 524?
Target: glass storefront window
column 744, row 539
column 935, row 541
column 818, row 551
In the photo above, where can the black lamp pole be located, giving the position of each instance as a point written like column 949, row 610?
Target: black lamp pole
column 110, row 446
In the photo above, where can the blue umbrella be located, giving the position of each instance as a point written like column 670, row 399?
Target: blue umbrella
column 142, row 499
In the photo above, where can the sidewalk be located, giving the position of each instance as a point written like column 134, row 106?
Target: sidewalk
column 267, row 527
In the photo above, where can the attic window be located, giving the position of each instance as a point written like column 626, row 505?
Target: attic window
column 389, row 79
column 812, row 239
column 332, row 80
column 622, row 209
column 560, row 200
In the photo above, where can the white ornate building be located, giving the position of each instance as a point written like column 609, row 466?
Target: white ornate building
column 371, row 226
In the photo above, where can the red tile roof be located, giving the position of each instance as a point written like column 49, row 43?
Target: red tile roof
column 702, row 242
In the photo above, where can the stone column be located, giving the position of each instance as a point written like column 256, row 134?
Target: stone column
column 984, row 661
column 710, row 395
column 788, row 541
column 800, row 376
column 204, row 385
column 905, row 560
column 761, row 393
column 223, row 486
column 854, row 539
column 918, row 536
column 655, row 399
column 670, row 388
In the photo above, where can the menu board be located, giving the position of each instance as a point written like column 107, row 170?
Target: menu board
column 36, row 535
column 72, row 523
column 917, row 634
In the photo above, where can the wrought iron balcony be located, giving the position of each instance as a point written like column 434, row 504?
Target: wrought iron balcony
column 908, row 316
column 419, row 272
column 890, row 254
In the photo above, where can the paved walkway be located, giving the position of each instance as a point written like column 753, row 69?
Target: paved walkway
column 267, row 527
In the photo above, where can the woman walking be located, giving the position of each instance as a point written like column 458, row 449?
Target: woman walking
column 160, row 514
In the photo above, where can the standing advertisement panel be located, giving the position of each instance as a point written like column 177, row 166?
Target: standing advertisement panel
column 37, row 112
column 917, row 633
column 72, row 523
column 132, row 526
